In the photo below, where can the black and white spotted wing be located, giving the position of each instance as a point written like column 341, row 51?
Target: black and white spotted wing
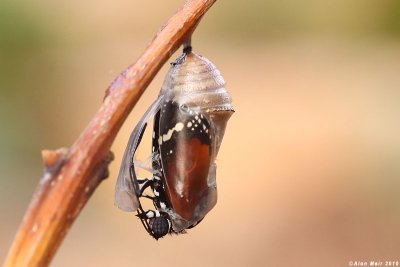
column 126, row 187
column 186, row 147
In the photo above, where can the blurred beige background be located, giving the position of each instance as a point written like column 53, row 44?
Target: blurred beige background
column 308, row 171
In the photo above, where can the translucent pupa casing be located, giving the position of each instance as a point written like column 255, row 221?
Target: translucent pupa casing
column 198, row 89
column 190, row 114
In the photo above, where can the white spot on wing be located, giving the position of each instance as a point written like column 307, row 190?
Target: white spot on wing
column 156, row 193
column 178, row 127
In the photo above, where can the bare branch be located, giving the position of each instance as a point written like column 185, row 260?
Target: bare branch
column 71, row 175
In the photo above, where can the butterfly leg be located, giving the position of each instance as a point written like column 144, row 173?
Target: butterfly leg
column 144, row 184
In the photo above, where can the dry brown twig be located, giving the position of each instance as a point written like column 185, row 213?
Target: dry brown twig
column 71, row 175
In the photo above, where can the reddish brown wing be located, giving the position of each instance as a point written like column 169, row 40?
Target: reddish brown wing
column 185, row 147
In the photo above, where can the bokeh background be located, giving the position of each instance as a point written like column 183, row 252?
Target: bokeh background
column 309, row 168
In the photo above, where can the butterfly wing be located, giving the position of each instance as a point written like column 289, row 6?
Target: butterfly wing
column 186, row 149
column 126, row 187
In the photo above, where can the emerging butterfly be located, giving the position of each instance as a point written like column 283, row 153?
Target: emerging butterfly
column 190, row 117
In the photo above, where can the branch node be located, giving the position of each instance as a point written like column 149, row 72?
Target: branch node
column 103, row 169
column 53, row 159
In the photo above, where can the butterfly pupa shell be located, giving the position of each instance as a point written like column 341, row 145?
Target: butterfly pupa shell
column 190, row 117
column 196, row 85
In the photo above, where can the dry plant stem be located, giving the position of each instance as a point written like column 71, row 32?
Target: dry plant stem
column 71, row 175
